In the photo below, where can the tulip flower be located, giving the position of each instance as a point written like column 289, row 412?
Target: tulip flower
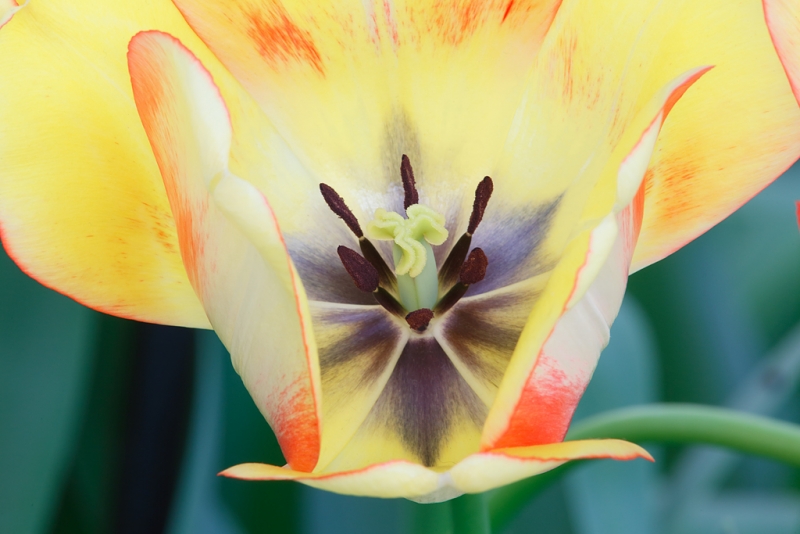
column 410, row 222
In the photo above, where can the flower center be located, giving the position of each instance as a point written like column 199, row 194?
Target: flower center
column 414, row 263
column 412, row 290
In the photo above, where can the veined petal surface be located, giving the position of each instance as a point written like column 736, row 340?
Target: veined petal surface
column 562, row 340
column 230, row 241
column 82, row 204
column 730, row 136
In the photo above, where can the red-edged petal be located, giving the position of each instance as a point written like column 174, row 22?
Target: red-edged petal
column 474, row 474
column 230, row 241
column 783, row 21
column 549, row 388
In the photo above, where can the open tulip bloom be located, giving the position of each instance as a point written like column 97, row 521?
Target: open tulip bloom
column 410, row 222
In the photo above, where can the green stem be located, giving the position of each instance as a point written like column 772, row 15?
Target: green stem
column 470, row 514
column 669, row 423
column 431, row 518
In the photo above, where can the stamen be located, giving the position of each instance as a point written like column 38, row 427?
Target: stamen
column 409, row 185
column 372, row 255
column 482, row 195
column 390, row 303
column 472, row 271
column 366, row 278
column 337, row 206
column 360, row 270
column 419, row 319
column 449, row 273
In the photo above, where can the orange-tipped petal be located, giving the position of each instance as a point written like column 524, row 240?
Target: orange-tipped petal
column 7, row 10
column 476, row 473
column 230, row 242
column 549, row 307
column 563, row 367
column 732, row 134
column 557, row 378
column 783, row 21
column 495, row 468
column 388, row 480
column 381, row 78
column 82, row 204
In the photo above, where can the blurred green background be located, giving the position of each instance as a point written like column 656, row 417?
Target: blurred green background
column 113, row 426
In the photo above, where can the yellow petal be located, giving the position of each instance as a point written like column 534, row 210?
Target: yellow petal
column 783, row 21
column 230, row 241
column 392, row 479
column 426, row 413
column 540, row 410
column 542, row 386
column 82, row 204
column 381, row 79
column 476, row 473
column 358, row 349
column 492, row 469
column 733, row 133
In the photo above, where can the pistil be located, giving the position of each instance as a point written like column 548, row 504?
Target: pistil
column 415, row 265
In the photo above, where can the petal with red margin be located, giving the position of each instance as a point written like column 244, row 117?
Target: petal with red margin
column 565, row 364
column 551, row 377
column 230, row 242
column 476, row 473
column 492, row 469
column 567, row 360
column 783, row 21
column 730, row 136
column 388, row 480
column 382, row 78
column 82, row 204
column 7, row 10
column 797, row 211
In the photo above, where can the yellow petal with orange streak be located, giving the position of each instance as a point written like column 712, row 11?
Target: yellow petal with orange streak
column 732, row 133
column 558, row 350
column 476, row 473
column 82, row 204
column 230, row 242
column 388, row 480
column 783, row 21
column 352, row 85
column 492, row 469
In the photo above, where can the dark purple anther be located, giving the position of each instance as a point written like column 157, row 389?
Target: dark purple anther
column 360, row 270
column 419, row 319
column 337, row 206
column 409, row 185
column 482, row 195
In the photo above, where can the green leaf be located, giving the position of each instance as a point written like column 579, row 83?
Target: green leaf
column 198, row 507
column 45, row 365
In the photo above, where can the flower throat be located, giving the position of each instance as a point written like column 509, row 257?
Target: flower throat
column 412, row 290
